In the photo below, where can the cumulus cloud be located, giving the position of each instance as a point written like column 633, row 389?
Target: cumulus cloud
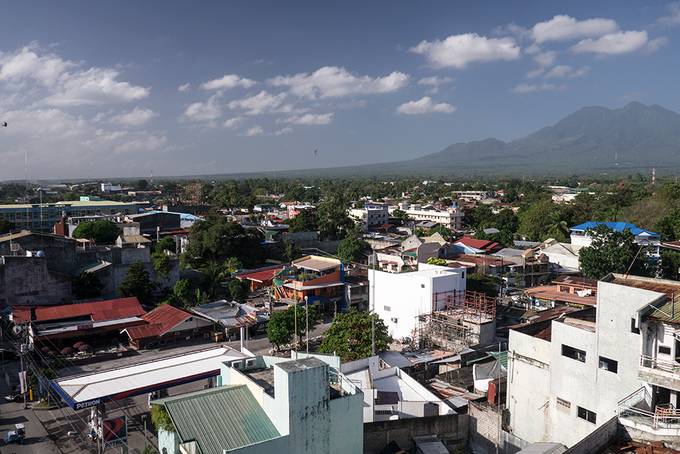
column 134, row 117
column 613, row 44
column 254, row 131
column 231, row 123
column 228, row 81
column 184, row 87
column 334, row 82
column 545, row 58
column 145, row 143
column 532, row 88
column 310, row 119
column 565, row 71
column 283, row 131
column 261, row 103
column 423, row 106
column 673, row 17
column 434, row 82
column 209, row 110
column 563, row 27
column 460, row 50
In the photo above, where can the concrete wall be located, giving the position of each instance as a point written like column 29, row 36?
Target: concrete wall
column 377, row 435
column 597, row 439
column 28, row 281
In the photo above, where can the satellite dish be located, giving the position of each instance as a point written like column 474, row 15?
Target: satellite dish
column 16, row 329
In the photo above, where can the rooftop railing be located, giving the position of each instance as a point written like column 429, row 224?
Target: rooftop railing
column 669, row 366
column 637, row 406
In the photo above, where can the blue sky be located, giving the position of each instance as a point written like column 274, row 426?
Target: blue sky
column 94, row 89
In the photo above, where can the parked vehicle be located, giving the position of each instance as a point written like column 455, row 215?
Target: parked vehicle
column 17, row 435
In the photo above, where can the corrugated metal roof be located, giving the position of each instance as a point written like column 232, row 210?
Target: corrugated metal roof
column 616, row 226
column 96, row 310
column 218, row 419
column 160, row 321
column 669, row 311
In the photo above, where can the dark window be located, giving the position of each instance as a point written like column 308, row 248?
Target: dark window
column 574, row 353
column 664, row 350
column 633, row 328
column 609, row 364
column 588, row 415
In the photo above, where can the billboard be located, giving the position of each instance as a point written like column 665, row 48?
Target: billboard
column 114, row 431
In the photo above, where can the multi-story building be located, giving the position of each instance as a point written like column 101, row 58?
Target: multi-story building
column 371, row 215
column 451, row 217
column 570, row 375
column 266, row 404
column 313, row 279
column 42, row 217
column 651, row 240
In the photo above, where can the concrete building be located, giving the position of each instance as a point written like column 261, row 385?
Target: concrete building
column 451, row 217
column 562, row 257
column 580, row 370
column 390, row 393
column 315, row 279
column 371, row 215
column 41, row 217
column 267, row 404
column 109, row 188
column 652, row 240
column 400, row 299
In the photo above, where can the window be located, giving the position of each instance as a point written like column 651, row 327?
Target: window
column 664, row 350
column 563, row 404
column 387, row 308
column 574, row 353
column 587, row 415
column 633, row 328
column 609, row 364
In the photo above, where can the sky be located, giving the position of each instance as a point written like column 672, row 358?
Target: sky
column 133, row 89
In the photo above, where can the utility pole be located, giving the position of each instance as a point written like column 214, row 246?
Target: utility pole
column 372, row 303
column 307, row 322
column 295, row 333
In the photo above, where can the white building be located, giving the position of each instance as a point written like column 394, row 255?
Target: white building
column 390, row 393
column 563, row 257
column 109, row 188
column 580, row 236
column 399, row 299
column 371, row 215
column 451, row 217
column 269, row 405
column 568, row 376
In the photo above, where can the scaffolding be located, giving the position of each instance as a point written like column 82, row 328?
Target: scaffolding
column 459, row 324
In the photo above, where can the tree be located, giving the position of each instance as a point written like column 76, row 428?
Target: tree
column 100, row 231
column 166, row 244
column 137, row 283
column 351, row 248
column 281, row 326
column 436, row 261
column 477, row 282
column 611, row 252
column 542, row 220
column 86, row 286
column 290, row 251
column 305, row 221
column 350, row 335
column 334, row 223
column 400, row 215
column 181, row 294
column 443, row 231
column 5, row 226
column 669, row 225
column 238, row 290
column 670, row 264
column 161, row 263
column 161, row 419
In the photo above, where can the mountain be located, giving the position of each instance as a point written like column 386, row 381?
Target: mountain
column 591, row 140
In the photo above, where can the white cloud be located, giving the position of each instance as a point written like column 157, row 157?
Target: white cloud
column 94, row 86
column 204, row 111
column 459, row 50
column 145, row 143
column 423, row 106
column 134, row 117
column 545, row 58
column 310, row 119
column 228, row 81
column 434, row 82
column 283, row 131
column 613, row 44
column 657, row 43
column 563, row 71
column 254, row 131
column 532, row 88
column 534, row 73
column 563, row 27
column 334, row 81
column 26, row 63
column 261, row 103
column 184, row 87
column 231, row 123
column 673, row 17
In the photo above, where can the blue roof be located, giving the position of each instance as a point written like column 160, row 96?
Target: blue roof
column 616, row 226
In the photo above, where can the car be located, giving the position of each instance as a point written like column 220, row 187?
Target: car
column 17, row 435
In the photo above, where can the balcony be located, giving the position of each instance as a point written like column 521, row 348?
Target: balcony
column 647, row 422
column 659, row 372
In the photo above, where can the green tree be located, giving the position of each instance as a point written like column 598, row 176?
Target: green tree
column 611, row 252
column 137, row 283
column 351, row 248
column 181, row 294
column 669, row 225
column 281, row 326
column 290, row 251
column 5, row 226
column 400, row 215
column 542, row 220
column 166, row 244
column 100, row 231
column 161, row 263
column 86, row 286
column 477, row 282
column 443, row 231
column 670, row 264
column 306, row 221
column 161, row 419
column 334, row 223
column 238, row 290
column 350, row 335
column 436, row 261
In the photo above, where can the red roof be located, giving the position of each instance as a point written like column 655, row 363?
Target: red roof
column 98, row 311
column 260, row 275
column 160, row 321
column 484, row 245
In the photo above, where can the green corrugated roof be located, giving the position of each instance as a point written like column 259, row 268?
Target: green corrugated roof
column 218, row 419
column 669, row 311
column 501, row 357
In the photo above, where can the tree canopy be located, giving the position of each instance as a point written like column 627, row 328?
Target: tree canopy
column 305, row 221
column 86, row 286
column 137, row 283
column 100, row 231
column 350, row 336
column 281, row 326
column 611, row 252
column 351, row 248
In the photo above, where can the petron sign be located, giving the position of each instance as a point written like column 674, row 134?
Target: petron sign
column 114, row 431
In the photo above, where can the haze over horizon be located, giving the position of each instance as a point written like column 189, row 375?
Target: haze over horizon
column 102, row 90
